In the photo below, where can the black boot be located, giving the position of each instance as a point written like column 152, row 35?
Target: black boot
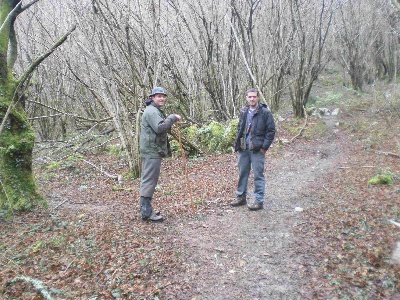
column 147, row 211
column 240, row 200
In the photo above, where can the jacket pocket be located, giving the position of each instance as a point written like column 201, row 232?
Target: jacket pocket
column 161, row 144
column 243, row 143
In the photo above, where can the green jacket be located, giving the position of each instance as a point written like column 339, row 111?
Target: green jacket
column 154, row 133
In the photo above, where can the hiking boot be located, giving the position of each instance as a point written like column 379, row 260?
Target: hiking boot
column 240, row 200
column 256, row 205
column 147, row 211
column 145, row 207
column 153, row 217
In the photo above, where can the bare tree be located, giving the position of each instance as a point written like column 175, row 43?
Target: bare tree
column 357, row 38
column 17, row 190
column 386, row 46
column 205, row 53
column 311, row 21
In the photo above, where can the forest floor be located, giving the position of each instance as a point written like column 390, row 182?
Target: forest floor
column 324, row 233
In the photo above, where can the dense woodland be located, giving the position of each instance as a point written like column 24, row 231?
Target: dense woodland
column 74, row 76
column 80, row 71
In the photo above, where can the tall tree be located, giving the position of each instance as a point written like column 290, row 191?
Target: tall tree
column 311, row 22
column 17, row 185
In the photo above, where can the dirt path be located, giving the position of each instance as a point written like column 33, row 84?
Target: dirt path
column 92, row 244
column 235, row 253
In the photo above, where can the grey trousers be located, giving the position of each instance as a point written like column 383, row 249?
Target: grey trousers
column 150, row 172
column 246, row 160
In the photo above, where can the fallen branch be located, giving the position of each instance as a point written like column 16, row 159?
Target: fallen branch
column 69, row 265
column 389, row 154
column 185, row 168
column 304, row 126
column 298, row 224
column 186, row 144
column 101, row 170
column 60, row 204
column 394, row 222
column 37, row 284
column 356, row 167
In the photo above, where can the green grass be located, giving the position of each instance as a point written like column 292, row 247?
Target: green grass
column 384, row 178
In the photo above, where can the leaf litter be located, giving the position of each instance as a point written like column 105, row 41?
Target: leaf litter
column 91, row 244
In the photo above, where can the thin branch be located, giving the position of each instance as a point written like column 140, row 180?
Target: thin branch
column 91, row 90
column 28, row 5
column 245, row 60
column 101, row 170
column 37, row 284
column 45, row 117
column 66, row 200
column 185, row 169
column 304, row 126
column 389, row 154
column 41, row 58
column 394, row 222
column 65, row 113
column 8, row 20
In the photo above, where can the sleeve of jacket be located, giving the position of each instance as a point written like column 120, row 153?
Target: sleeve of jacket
column 270, row 131
column 165, row 125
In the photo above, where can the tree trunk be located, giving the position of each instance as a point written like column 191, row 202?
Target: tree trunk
column 18, row 190
column 17, row 185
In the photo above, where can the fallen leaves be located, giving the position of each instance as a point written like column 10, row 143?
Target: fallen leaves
column 92, row 243
column 351, row 223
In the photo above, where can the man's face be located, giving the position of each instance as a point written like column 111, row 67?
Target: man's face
column 252, row 99
column 159, row 99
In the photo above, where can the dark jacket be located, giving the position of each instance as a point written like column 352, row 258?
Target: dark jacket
column 262, row 130
column 154, row 132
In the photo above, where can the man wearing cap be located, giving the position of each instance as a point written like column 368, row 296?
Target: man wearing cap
column 154, row 145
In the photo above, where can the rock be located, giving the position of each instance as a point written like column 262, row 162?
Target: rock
column 335, row 112
column 396, row 253
column 298, row 209
column 324, row 112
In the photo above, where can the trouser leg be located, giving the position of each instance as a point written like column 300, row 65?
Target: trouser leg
column 244, row 166
column 258, row 162
column 150, row 173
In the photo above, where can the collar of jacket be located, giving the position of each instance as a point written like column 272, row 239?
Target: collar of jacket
column 159, row 109
column 155, row 105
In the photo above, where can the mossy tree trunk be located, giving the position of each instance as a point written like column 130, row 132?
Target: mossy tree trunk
column 17, row 185
column 18, row 189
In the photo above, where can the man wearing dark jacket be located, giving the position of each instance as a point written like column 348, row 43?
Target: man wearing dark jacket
column 256, row 132
column 154, row 145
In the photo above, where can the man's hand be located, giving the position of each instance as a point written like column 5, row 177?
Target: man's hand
column 178, row 117
column 263, row 151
